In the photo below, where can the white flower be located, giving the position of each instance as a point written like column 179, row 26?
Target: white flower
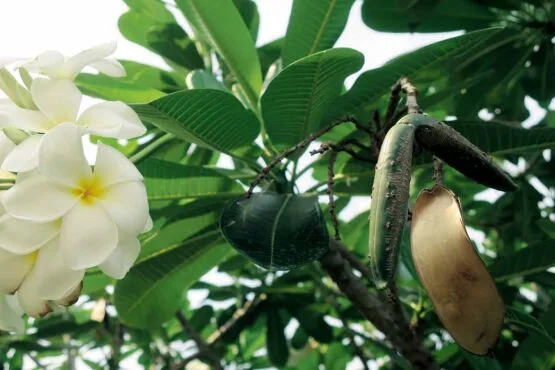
column 58, row 102
column 55, row 65
column 10, row 314
column 101, row 212
column 39, row 279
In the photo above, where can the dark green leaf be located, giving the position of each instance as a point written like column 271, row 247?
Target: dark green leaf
column 373, row 84
column 312, row 321
column 532, row 259
column 296, row 100
column 200, row 79
column 209, row 118
column 276, row 344
column 425, row 15
column 276, row 231
column 337, row 357
column 314, row 26
column 527, row 322
column 151, row 292
column 167, row 180
column 218, row 23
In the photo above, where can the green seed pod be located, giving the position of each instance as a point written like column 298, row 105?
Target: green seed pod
column 390, row 194
column 453, row 148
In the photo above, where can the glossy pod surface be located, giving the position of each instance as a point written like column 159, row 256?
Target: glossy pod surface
column 459, row 285
column 390, row 193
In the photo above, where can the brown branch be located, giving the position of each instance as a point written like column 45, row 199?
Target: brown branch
column 381, row 314
column 394, row 98
column 354, row 261
column 438, row 171
column 203, row 347
column 264, row 172
column 331, row 200
column 411, row 92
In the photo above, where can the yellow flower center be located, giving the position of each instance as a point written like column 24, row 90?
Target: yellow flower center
column 89, row 190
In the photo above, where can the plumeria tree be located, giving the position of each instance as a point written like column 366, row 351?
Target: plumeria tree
column 215, row 227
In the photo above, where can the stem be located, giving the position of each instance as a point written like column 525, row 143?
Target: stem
column 203, row 347
column 151, row 147
column 384, row 318
column 438, row 171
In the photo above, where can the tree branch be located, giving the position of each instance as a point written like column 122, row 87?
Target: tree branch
column 384, row 316
column 203, row 348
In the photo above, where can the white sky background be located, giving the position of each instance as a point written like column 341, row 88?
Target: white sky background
column 28, row 27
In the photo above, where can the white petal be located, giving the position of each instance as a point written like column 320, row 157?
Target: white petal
column 112, row 119
column 88, row 236
column 25, row 156
column 127, row 204
column 113, row 167
column 13, row 269
column 72, row 297
column 24, row 119
column 23, row 237
column 148, row 225
column 49, row 280
column 61, row 156
column 10, row 318
column 74, row 65
column 6, row 61
column 6, row 146
column 49, row 63
column 59, row 100
column 122, row 258
column 39, row 199
column 110, row 67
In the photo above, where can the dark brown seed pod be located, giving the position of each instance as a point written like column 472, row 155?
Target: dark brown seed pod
column 459, row 285
column 454, row 149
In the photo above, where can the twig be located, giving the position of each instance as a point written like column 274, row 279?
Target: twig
column 411, row 92
column 203, row 347
column 393, row 101
column 331, row 203
column 438, row 171
column 247, row 308
column 151, row 147
column 396, row 329
column 264, row 172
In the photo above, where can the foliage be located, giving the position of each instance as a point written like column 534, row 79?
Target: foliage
column 227, row 101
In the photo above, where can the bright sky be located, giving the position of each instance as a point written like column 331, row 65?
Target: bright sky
column 29, row 27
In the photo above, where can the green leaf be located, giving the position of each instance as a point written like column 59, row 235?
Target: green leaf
column 373, row 84
column 151, row 292
column 147, row 75
column 481, row 362
column 276, row 231
column 312, row 321
column 218, row 23
column 269, row 53
column 314, row 26
column 162, row 37
column 500, row 138
column 167, row 180
column 529, row 260
column 110, row 88
column 337, row 357
column 527, row 322
column 249, row 13
column 536, row 351
column 425, row 15
column 200, row 79
column 154, row 9
column 296, row 100
column 210, row 118
column 276, row 344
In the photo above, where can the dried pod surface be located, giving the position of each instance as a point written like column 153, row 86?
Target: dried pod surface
column 455, row 278
column 390, row 193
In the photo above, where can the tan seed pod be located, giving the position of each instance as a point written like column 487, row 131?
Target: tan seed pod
column 461, row 289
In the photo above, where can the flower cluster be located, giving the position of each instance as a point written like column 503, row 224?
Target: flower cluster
column 62, row 216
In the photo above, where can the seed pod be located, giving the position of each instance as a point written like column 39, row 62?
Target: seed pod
column 455, row 278
column 390, row 193
column 453, row 148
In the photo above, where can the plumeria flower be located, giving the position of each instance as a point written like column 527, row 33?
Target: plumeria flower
column 101, row 211
column 55, row 65
column 39, row 279
column 10, row 314
column 58, row 102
